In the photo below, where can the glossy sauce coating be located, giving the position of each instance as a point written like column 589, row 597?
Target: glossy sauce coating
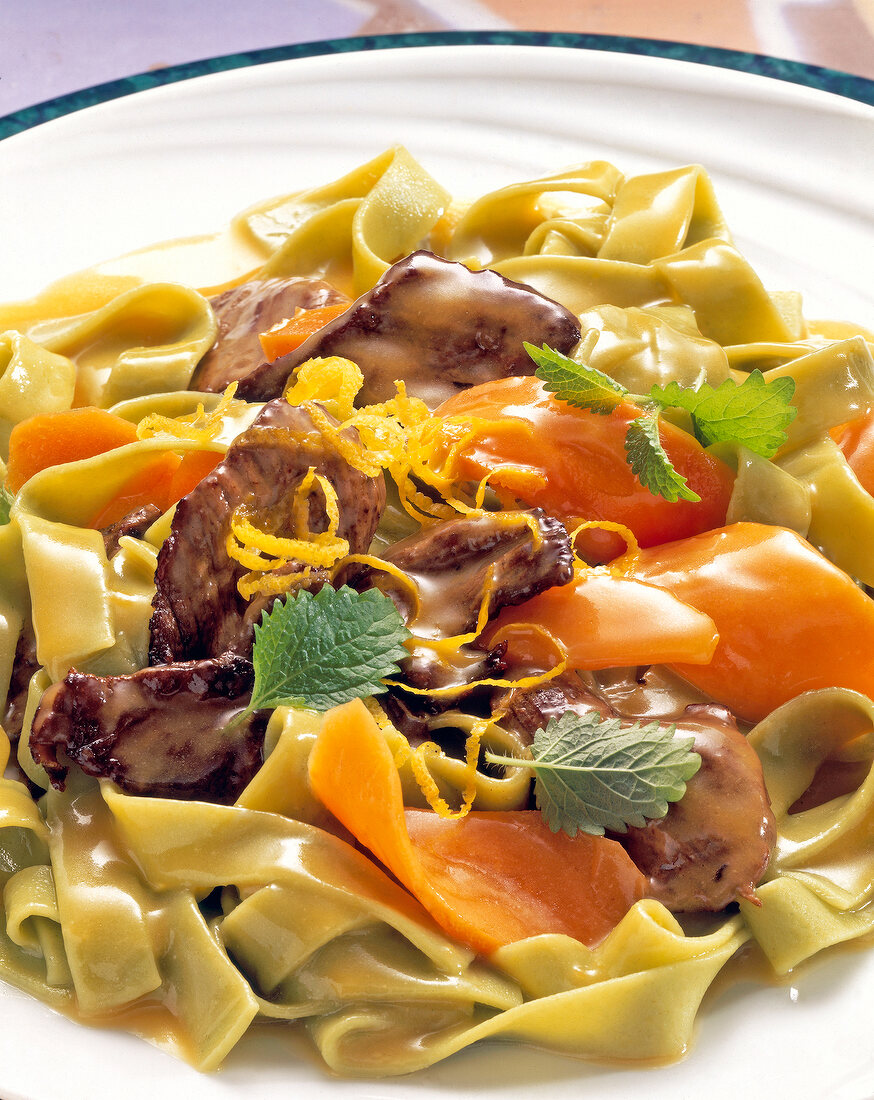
column 436, row 326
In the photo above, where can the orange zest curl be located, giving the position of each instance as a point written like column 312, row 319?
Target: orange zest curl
column 200, row 426
column 272, row 559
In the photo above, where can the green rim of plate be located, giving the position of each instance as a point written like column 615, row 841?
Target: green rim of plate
column 811, row 76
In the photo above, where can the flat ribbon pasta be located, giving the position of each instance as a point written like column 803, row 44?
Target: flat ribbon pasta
column 14, row 599
column 32, row 954
column 660, row 213
column 821, row 879
column 351, row 230
column 841, row 510
column 643, row 347
column 634, row 996
column 33, row 381
column 833, row 384
column 145, row 340
column 527, row 218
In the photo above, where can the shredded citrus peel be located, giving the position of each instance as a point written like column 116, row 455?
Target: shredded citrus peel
column 333, row 382
column 619, row 567
column 399, row 436
column 263, row 553
column 200, row 426
column 421, row 758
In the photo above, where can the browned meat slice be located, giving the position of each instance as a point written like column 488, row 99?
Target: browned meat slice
column 197, row 611
column 527, row 710
column 435, row 324
column 714, row 845
column 242, row 313
column 161, row 731
column 135, row 523
column 24, row 665
column 450, row 565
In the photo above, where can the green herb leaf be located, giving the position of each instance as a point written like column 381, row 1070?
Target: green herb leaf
column 323, row 650
column 6, row 499
column 593, row 773
column 650, row 463
column 754, row 413
column 576, row 383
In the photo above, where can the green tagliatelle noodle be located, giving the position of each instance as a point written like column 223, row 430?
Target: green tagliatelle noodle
column 195, row 920
column 146, row 340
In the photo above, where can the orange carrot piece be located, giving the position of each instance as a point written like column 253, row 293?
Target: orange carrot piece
column 193, row 468
column 506, row 876
column 609, row 622
column 162, row 482
column 288, row 335
column 150, row 485
column 789, row 620
column 856, row 440
column 55, row 438
column 488, row 879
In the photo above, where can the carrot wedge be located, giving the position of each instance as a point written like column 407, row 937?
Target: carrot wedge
column 54, row 438
column 288, row 335
column 488, row 879
column 608, row 622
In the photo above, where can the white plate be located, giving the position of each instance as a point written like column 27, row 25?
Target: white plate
column 792, row 170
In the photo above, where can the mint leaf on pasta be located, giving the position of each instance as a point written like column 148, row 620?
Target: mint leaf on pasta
column 650, row 464
column 577, row 384
column 323, row 650
column 593, row 773
column 754, row 412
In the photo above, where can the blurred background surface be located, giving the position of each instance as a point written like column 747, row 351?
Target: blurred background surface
column 51, row 47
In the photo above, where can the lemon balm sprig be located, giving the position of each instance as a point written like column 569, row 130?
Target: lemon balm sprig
column 754, row 413
column 316, row 652
column 593, row 773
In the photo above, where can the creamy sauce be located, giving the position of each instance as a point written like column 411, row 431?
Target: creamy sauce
column 209, row 263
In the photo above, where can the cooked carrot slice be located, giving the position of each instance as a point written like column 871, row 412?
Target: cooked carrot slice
column 162, row 482
column 193, row 468
column 54, row 438
column 488, row 879
column 609, row 622
column 288, row 335
column 150, row 485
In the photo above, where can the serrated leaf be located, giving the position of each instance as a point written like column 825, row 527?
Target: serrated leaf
column 573, row 382
column 650, row 463
column 594, row 774
column 323, row 650
column 5, row 506
column 754, row 412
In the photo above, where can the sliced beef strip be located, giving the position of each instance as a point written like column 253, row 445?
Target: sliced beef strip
column 24, row 665
column 525, row 711
column 449, row 564
column 135, row 523
column 242, row 313
column 160, row 731
column 715, row 843
column 197, row 611
column 435, row 324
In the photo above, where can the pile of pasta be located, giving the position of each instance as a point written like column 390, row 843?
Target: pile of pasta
column 195, row 920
